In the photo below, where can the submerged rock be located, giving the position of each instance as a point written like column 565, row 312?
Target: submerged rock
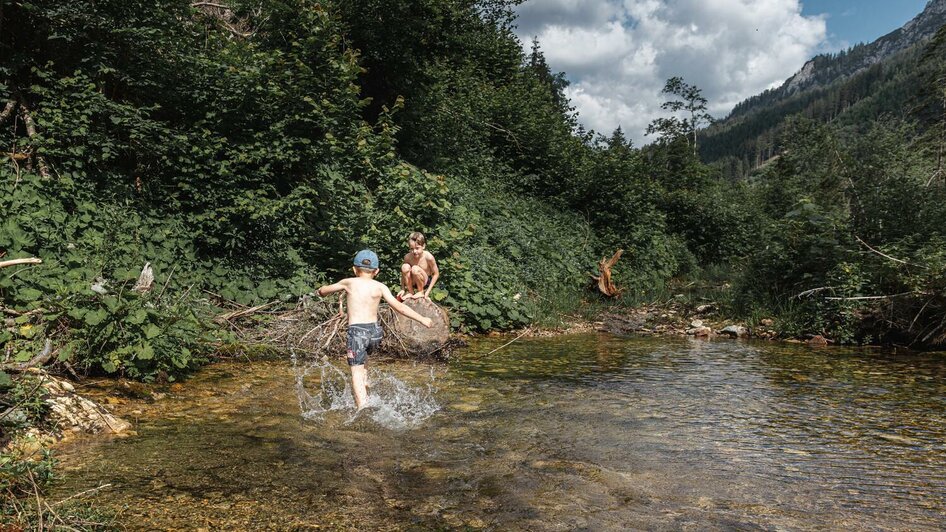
column 71, row 411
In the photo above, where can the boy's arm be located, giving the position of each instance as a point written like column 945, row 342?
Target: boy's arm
column 434, row 275
column 402, row 308
column 331, row 288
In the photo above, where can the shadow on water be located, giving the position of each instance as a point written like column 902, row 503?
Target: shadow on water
column 579, row 432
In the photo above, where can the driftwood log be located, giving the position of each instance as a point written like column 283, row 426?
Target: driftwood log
column 413, row 338
column 605, row 284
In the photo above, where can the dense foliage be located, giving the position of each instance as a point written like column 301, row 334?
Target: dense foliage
column 246, row 150
column 246, row 153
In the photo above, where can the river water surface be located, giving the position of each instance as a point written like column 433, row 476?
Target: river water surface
column 576, row 432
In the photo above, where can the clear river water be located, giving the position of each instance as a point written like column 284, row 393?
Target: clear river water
column 582, row 432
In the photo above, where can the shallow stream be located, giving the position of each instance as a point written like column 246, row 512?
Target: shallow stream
column 577, row 432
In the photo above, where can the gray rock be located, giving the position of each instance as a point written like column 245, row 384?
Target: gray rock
column 735, row 331
column 696, row 324
column 700, row 331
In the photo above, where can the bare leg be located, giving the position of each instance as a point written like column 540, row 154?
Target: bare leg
column 405, row 279
column 418, row 281
column 358, row 377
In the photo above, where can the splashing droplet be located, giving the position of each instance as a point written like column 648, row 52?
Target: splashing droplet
column 323, row 387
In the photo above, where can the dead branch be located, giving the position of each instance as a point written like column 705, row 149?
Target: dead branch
column 918, row 314
column 39, row 504
column 807, row 293
column 82, row 493
column 867, row 298
column 27, row 397
column 167, row 282
column 7, row 111
column 605, row 284
column 524, row 332
column 37, row 360
column 225, row 15
column 223, row 318
column 209, row 4
column 933, row 177
column 31, row 131
column 14, row 262
column 17, row 313
column 884, row 255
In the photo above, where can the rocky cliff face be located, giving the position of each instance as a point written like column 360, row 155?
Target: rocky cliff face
column 825, row 69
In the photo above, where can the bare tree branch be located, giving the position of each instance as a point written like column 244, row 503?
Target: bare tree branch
column 14, row 262
column 7, row 111
column 31, row 131
column 884, row 255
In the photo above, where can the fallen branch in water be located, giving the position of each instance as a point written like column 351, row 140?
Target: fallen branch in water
column 509, row 342
column 81, row 493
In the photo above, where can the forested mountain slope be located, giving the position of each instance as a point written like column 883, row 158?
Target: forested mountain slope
column 857, row 86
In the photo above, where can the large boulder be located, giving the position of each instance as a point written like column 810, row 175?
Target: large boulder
column 405, row 334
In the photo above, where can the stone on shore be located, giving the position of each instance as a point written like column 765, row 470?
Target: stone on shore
column 700, row 331
column 734, row 331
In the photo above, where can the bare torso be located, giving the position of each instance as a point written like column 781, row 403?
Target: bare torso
column 364, row 295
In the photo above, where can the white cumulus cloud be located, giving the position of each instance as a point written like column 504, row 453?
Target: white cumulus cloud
column 618, row 54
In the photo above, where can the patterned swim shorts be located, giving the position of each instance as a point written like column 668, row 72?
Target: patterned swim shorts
column 363, row 339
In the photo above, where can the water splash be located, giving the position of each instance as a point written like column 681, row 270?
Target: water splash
column 323, row 388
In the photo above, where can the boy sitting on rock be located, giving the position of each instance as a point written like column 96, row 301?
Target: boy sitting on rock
column 364, row 331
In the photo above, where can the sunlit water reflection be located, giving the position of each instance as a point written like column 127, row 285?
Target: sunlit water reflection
column 581, row 432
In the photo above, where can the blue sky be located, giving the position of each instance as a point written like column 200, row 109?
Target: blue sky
column 853, row 21
column 617, row 54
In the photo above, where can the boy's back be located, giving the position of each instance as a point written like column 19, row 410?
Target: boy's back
column 364, row 332
column 364, row 295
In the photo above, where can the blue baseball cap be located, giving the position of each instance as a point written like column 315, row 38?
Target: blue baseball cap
column 366, row 259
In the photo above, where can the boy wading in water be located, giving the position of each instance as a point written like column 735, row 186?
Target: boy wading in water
column 364, row 332
column 419, row 272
